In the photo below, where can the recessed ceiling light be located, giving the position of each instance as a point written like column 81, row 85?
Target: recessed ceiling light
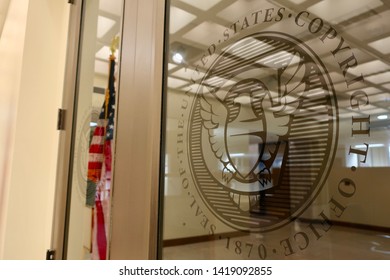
column 178, row 58
column 382, row 117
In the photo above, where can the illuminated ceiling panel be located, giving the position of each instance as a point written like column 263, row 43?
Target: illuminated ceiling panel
column 178, row 19
column 369, row 68
column 176, row 83
column 380, row 98
column 386, row 86
column 382, row 45
column 241, row 8
column 171, row 66
column 104, row 25
column 337, row 77
column 188, row 74
column 204, row 32
column 369, row 28
column 297, row 2
column 112, row 7
column 202, row 4
column 375, row 111
column 368, row 90
column 336, row 11
column 101, row 67
column 379, row 78
column 104, row 53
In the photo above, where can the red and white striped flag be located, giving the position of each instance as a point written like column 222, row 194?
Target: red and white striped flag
column 99, row 170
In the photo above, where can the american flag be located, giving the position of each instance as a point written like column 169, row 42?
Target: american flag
column 99, row 170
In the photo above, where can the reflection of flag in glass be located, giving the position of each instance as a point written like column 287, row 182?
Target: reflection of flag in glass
column 99, row 170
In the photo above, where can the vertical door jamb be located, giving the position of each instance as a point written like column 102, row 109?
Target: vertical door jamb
column 58, row 237
column 134, row 232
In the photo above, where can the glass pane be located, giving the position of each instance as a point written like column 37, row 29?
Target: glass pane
column 88, row 220
column 277, row 130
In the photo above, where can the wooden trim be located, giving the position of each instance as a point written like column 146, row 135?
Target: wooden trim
column 348, row 224
column 201, row 238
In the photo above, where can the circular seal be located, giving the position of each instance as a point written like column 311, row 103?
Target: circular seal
column 262, row 131
column 81, row 152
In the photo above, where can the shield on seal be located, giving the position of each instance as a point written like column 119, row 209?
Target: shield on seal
column 244, row 135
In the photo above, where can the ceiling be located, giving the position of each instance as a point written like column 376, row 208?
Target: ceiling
column 364, row 24
column 108, row 26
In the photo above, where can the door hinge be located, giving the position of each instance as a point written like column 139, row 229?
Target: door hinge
column 50, row 255
column 61, row 119
column 71, row 2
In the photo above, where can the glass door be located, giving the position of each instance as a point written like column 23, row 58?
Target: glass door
column 277, row 141
column 87, row 232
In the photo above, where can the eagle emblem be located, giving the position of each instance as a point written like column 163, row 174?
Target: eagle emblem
column 252, row 110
